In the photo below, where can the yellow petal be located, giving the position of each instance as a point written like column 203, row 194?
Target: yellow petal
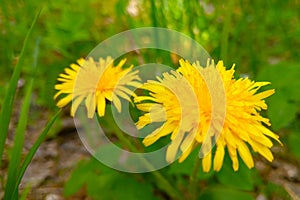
column 81, row 61
column 173, row 147
column 65, row 76
column 262, row 150
column 101, row 106
column 74, row 67
column 143, row 121
column 245, row 154
column 70, row 72
column 116, row 101
column 108, row 95
column 144, row 98
column 122, row 94
column 158, row 133
column 234, row 158
column 264, row 94
column 146, row 107
column 75, row 104
column 64, row 101
column 219, row 157
column 90, row 104
column 186, row 152
column 134, row 84
column 125, row 90
column 269, row 133
column 206, row 162
column 57, row 94
column 188, row 141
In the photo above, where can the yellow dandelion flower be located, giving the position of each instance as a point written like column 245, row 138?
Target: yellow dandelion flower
column 241, row 128
column 94, row 83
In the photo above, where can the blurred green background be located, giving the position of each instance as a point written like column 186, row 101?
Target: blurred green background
column 261, row 37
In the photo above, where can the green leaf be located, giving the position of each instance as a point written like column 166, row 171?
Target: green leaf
column 282, row 75
column 129, row 188
column 293, row 143
column 241, row 179
column 86, row 173
column 274, row 191
column 282, row 106
column 99, row 187
column 218, row 192
column 119, row 186
column 105, row 183
column 281, row 111
column 78, row 178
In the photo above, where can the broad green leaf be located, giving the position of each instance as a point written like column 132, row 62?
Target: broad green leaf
column 281, row 111
column 129, row 188
column 282, row 75
column 105, row 183
column 218, row 193
column 78, row 178
column 119, row 186
column 282, row 106
column 83, row 173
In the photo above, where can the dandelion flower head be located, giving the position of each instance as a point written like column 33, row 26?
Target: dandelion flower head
column 238, row 127
column 94, row 83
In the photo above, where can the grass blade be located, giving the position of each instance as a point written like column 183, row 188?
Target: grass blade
column 14, row 163
column 32, row 151
column 25, row 192
column 7, row 106
column 15, row 160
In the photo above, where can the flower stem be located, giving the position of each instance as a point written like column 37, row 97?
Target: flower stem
column 194, row 179
column 163, row 183
column 225, row 31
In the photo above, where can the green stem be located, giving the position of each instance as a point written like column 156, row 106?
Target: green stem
column 154, row 13
column 225, row 31
column 194, row 179
column 190, row 12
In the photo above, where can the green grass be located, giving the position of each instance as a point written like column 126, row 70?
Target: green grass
column 14, row 163
column 15, row 169
column 31, row 153
column 8, row 101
